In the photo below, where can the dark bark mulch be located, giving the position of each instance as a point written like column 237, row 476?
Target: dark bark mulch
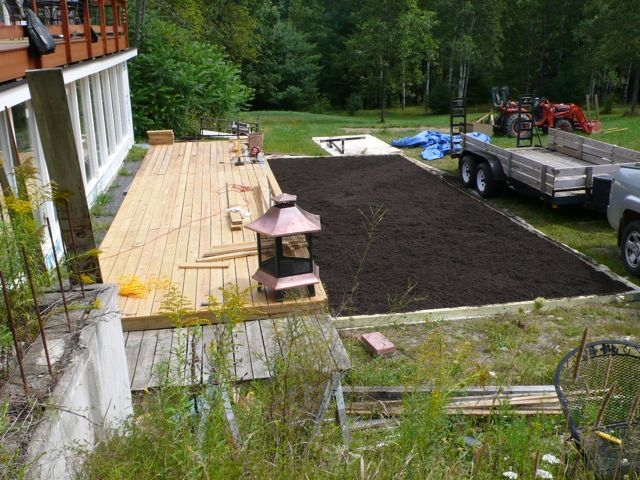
column 443, row 247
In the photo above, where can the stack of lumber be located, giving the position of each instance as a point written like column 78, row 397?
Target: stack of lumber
column 237, row 203
column 218, row 256
column 524, row 400
column 228, row 252
column 160, row 137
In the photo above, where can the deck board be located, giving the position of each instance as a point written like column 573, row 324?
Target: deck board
column 257, row 346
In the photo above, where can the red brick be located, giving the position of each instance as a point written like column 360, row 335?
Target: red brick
column 378, row 344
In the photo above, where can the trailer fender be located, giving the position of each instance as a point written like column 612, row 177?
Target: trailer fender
column 494, row 163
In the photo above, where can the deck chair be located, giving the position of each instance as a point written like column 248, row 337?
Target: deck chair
column 598, row 385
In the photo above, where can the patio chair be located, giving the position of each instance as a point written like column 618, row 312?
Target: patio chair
column 598, row 385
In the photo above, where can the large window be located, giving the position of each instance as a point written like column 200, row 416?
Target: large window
column 108, row 112
column 88, row 148
column 116, row 102
column 98, row 108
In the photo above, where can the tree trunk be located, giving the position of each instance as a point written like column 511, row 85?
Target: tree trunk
column 463, row 79
column 427, row 86
column 382, row 93
column 141, row 9
column 634, row 90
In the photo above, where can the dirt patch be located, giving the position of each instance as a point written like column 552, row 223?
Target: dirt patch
column 433, row 247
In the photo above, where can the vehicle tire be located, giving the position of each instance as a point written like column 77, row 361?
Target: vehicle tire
column 467, row 169
column 564, row 125
column 511, row 125
column 486, row 185
column 630, row 248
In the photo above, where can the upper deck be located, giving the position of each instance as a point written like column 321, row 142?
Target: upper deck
column 82, row 30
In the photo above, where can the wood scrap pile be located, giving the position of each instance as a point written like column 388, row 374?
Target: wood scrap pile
column 522, row 400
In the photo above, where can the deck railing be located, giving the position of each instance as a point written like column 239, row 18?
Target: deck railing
column 82, row 30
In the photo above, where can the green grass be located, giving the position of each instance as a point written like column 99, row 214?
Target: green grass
column 100, row 204
column 136, row 154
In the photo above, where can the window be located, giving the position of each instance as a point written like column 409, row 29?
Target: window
column 102, row 148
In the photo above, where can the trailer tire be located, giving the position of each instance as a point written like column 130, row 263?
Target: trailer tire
column 486, row 185
column 630, row 248
column 467, row 167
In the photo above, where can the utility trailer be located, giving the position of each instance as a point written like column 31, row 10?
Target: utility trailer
column 571, row 170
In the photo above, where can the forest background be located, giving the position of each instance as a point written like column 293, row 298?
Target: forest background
column 219, row 57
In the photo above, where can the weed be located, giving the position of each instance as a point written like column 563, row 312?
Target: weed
column 123, row 172
column 136, row 154
column 371, row 220
column 100, row 204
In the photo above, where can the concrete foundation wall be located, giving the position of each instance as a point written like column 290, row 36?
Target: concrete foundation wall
column 92, row 395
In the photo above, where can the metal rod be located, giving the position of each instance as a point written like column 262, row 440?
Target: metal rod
column 12, row 326
column 37, row 308
column 55, row 259
column 603, row 406
column 633, row 411
column 580, row 353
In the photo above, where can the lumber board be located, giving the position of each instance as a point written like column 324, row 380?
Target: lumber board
column 270, row 340
column 205, row 265
column 257, row 352
column 190, row 219
column 144, row 367
column 227, row 256
column 332, row 339
column 132, row 346
column 162, row 357
column 230, row 248
column 241, row 356
column 160, row 137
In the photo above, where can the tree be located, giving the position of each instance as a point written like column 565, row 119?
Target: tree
column 470, row 35
column 176, row 79
column 284, row 74
column 389, row 41
column 618, row 43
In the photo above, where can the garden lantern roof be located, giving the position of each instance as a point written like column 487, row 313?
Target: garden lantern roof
column 285, row 218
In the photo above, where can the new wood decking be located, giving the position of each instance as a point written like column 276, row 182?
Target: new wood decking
column 183, row 356
column 176, row 211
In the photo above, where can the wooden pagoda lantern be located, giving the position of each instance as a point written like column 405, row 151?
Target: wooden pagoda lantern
column 285, row 254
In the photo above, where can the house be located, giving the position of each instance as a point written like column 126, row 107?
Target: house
column 92, row 50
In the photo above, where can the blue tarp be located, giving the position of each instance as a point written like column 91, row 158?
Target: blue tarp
column 436, row 144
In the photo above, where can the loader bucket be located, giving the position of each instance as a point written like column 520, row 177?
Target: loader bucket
column 595, row 126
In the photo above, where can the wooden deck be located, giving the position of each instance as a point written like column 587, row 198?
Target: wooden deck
column 176, row 212
column 152, row 355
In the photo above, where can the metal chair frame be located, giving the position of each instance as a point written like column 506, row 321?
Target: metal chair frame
column 598, row 385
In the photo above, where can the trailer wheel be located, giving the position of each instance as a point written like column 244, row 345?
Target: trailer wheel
column 630, row 248
column 467, row 168
column 485, row 183
column 564, row 125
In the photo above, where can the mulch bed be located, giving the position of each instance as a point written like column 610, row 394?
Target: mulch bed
column 450, row 248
